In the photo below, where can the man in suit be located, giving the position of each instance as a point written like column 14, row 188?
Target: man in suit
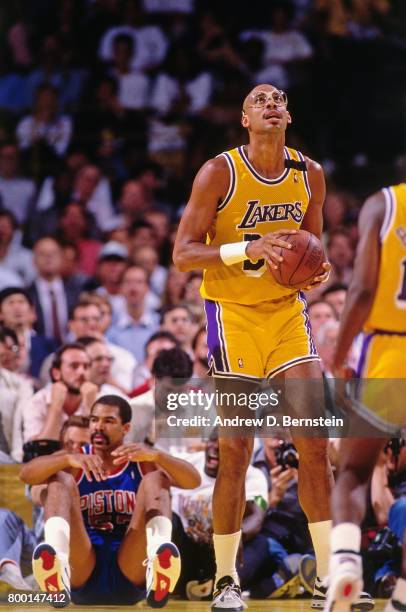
column 17, row 312
column 52, row 297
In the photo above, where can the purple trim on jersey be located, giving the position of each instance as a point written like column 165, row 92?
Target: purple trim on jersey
column 363, row 355
column 308, row 327
column 231, row 188
column 213, row 335
column 222, row 338
column 260, row 178
column 389, row 210
column 306, row 179
column 291, row 363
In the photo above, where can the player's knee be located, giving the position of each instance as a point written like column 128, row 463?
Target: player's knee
column 64, row 482
column 235, row 455
column 156, row 479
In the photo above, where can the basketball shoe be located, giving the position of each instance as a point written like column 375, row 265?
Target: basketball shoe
column 52, row 573
column 227, row 596
column 163, row 571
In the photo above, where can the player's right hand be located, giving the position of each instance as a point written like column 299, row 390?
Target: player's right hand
column 92, row 465
column 59, row 391
column 262, row 248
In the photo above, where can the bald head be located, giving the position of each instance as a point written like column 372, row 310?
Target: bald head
column 257, row 89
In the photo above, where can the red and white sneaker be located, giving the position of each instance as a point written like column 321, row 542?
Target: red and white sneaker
column 344, row 581
column 163, row 571
column 52, row 573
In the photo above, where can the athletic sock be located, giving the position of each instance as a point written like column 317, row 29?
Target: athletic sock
column 159, row 531
column 345, row 536
column 399, row 594
column 225, row 550
column 10, row 573
column 57, row 534
column 320, row 533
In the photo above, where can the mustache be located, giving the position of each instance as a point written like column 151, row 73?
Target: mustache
column 98, row 433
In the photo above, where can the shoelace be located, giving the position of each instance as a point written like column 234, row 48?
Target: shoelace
column 235, row 596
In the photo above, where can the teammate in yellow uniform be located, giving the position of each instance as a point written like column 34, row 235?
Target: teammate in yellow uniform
column 243, row 203
column 376, row 304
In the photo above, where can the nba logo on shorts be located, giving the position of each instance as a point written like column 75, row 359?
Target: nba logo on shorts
column 240, row 363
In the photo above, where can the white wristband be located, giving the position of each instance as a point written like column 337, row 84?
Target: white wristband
column 233, row 252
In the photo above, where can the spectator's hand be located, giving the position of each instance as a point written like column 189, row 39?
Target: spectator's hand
column 318, row 280
column 134, row 452
column 59, row 391
column 92, row 465
column 281, row 480
column 89, row 393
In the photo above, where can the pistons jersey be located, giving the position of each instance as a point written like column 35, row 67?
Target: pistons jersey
column 107, row 506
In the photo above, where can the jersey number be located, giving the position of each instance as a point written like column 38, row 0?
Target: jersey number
column 253, row 269
column 401, row 297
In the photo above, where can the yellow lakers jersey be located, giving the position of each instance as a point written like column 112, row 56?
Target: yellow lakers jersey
column 389, row 308
column 253, row 207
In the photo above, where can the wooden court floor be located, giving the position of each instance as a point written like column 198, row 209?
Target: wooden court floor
column 286, row 605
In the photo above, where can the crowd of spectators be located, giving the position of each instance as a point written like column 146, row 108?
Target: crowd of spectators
column 107, row 110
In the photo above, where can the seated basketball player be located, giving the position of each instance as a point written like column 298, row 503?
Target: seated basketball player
column 107, row 509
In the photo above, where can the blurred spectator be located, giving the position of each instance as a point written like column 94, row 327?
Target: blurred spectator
column 101, row 361
column 45, row 124
column 283, row 46
column 193, row 528
column 147, row 257
column 150, row 44
column 13, row 256
column 200, row 351
column 141, row 234
column 12, row 83
column 335, row 295
column 70, row 265
column 161, row 340
column 69, row 393
column 17, row 312
column 133, row 203
column 182, row 86
column 16, row 391
column 52, row 297
column 160, row 222
column 178, row 321
column 326, row 340
column 93, row 192
column 137, row 324
column 133, row 86
column 75, row 433
column 74, row 225
column 340, row 254
column 319, row 313
column 16, row 191
column 175, row 285
column 170, row 369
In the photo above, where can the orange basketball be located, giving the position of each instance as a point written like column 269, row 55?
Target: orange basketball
column 302, row 262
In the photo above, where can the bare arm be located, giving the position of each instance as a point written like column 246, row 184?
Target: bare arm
column 40, row 469
column 313, row 219
column 252, row 521
column 364, row 280
column 209, row 189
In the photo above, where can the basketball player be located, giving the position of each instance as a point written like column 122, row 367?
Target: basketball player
column 376, row 304
column 106, row 510
column 245, row 201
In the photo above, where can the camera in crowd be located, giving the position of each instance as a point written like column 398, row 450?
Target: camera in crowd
column 396, row 477
column 286, row 455
column 38, row 448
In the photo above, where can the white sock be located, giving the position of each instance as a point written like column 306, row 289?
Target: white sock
column 10, row 572
column 345, row 536
column 320, row 533
column 159, row 531
column 225, row 550
column 399, row 594
column 57, row 534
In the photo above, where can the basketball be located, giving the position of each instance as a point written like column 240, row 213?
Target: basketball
column 302, row 262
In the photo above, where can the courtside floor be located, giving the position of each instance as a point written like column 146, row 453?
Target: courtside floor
column 288, row 605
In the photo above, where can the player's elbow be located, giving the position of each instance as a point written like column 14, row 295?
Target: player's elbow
column 190, row 479
column 26, row 476
column 364, row 294
column 180, row 260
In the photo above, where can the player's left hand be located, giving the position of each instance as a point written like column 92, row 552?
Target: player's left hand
column 323, row 278
column 134, row 452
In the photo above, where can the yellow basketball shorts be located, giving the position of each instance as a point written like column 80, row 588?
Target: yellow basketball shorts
column 382, row 384
column 260, row 340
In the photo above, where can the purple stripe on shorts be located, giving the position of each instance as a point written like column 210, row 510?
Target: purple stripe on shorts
column 213, row 335
column 363, row 355
column 312, row 346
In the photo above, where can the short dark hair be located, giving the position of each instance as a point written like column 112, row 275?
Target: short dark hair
column 75, row 420
column 171, row 307
column 160, row 335
column 124, row 38
column 7, row 332
column 8, row 291
column 334, row 287
column 57, row 361
column 174, row 362
column 82, row 303
column 7, row 213
column 116, row 401
column 89, row 340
